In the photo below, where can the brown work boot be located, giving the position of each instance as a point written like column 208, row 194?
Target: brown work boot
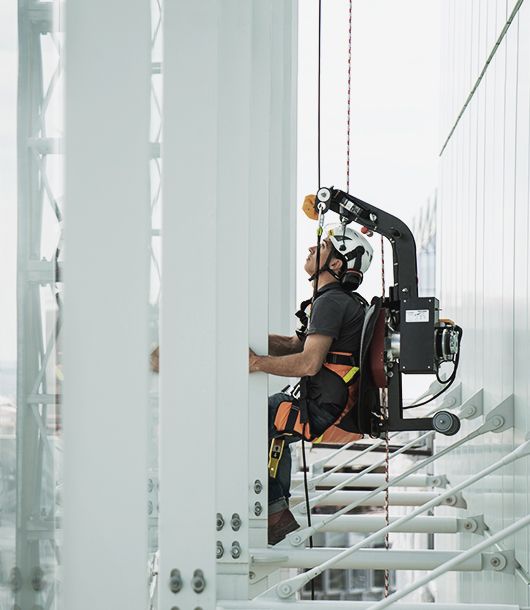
column 281, row 524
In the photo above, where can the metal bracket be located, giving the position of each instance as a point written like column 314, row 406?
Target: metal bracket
column 503, row 413
column 438, row 480
column 472, row 525
column 499, row 561
column 455, row 501
column 473, row 406
column 263, row 566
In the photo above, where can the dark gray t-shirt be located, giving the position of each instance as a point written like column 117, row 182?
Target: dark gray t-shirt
column 336, row 314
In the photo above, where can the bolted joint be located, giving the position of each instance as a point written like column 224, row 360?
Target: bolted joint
column 258, row 486
column 498, row 562
column 497, row 421
column 235, row 522
column 258, row 509
column 284, row 590
column 220, row 522
column 198, row 582
column 236, row 550
column 175, row 581
column 220, row 550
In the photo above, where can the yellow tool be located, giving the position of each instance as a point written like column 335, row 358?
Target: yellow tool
column 275, row 454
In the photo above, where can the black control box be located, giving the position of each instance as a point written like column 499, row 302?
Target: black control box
column 419, row 317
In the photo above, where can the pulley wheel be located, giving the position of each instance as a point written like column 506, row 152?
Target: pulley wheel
column 446, row 423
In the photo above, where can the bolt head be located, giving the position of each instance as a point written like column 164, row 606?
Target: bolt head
column 284, row 590
column 220, row 522
column 235, row 522
column 497, row 421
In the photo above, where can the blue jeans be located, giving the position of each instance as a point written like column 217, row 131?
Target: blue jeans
column 320, row 420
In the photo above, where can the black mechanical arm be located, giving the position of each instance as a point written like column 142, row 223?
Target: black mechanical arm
column 416, row 340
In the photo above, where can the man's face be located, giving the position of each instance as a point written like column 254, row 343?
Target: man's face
column 310, row 265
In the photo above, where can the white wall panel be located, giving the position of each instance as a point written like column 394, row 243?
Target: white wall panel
column 229, row 135
column 484, row 268
column 106, row 299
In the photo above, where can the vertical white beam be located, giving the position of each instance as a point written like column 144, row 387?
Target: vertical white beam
column 283, row 202
column 283, row 165
column 106, row 296
column 235, row 199
column 261, row 119
column 189, row 332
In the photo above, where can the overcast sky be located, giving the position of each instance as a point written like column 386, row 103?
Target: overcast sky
column 394, row 108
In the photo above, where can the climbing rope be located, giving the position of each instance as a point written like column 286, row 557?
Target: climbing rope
column 317, row 263
column 384, row 405
column 348, row 113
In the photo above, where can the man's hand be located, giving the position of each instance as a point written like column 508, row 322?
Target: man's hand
column 253, row 360
column 155, row 360
column 307, row 362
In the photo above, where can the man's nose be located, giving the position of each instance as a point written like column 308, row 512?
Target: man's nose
column 312, row 249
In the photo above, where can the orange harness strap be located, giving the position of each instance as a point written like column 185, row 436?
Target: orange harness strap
column 288, row 416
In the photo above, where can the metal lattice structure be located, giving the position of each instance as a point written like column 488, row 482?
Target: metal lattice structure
column 33, row 580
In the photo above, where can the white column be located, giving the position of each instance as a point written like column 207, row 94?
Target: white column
column 189, row 329
column 283, row 203
column 261, row 121
column 106, row 295
column 218, row 169
column 235, row 197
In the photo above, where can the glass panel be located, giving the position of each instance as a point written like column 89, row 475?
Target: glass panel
column 337, row 580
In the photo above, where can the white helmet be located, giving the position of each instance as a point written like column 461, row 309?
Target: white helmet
column 348, row 243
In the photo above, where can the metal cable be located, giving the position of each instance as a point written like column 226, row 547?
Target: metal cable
column 516, row 8
column 384, row 405
column 348, row 114
column 317, row 269
column 319, row 86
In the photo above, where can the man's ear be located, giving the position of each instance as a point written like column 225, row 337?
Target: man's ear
column 335, row 265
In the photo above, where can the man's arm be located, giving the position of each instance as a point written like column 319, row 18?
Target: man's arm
column 307, row 362
column 281, row 346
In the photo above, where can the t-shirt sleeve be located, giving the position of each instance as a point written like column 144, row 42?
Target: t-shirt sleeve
column 326, row 317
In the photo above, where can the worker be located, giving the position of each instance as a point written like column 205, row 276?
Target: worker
column 333, row 332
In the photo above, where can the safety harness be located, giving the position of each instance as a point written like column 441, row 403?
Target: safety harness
column 292, row 416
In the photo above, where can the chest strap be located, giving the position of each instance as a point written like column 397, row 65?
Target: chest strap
column 343, row 358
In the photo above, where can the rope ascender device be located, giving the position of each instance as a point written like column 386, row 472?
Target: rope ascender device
column 403, row 333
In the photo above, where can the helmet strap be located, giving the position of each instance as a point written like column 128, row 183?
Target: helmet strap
column 325, row 267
